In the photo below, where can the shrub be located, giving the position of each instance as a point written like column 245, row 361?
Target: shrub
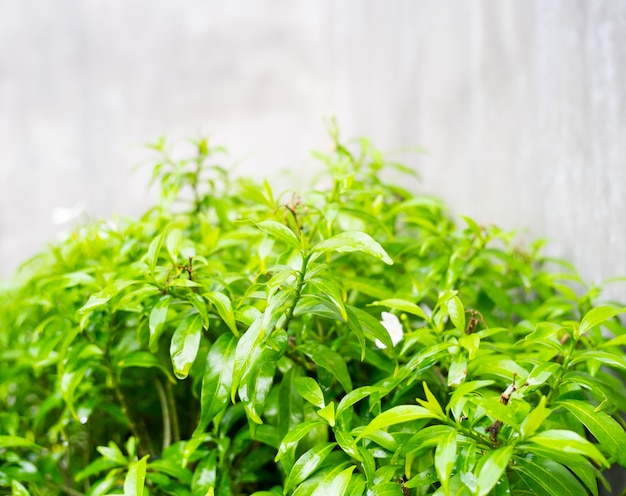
column 351, row 339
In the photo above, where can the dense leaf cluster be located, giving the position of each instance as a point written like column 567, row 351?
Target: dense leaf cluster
column 242, row 344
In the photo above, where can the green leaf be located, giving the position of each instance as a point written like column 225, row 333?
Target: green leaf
column 224, row 309
column 370, row 326
column 396, row 415
column 535, row 418
column 491, row 467
column 546, row 477
column 17, row 489
column 158, row 316
column 431, row 402
column 172, row 243
column 445, row 458
column 217, row 380
column 328, row 413
column 541, row 373
column 604, row 428
column 17, row 442
column 248, row 351
column 353, row 241
column 403, row 306
column 205, row 475
column 332, row 291
column 134, row 481
column 462, row 394
column 70, row 380
column 279, row 231
column 292, row 438
column 597, row 315
column 604, row 357
column 143, row 359
column 113, row 453
column 185, row 344
column 569, row 442
column 329, row 360
column 310, row 390
column 152, row 257
column 308, row 463
column 457, row 313
column 337, row 485
column 356, row 395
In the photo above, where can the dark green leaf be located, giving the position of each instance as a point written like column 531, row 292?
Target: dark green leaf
column 546, row 477
column 605, row 429
column 329, row 360
column 307, row 464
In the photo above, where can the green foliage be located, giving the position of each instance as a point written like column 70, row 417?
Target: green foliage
column 351, row 339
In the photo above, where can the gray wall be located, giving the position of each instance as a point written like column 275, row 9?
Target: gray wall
column 522, row 105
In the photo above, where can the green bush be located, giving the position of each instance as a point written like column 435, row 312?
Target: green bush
column 351, row 339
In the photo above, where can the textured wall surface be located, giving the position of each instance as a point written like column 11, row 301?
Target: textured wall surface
column 522, row 105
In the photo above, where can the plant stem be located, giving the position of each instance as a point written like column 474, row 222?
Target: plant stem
column 300, row 285
column 167, row 427
column 173, row 412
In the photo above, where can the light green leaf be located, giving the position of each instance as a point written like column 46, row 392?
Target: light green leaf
column 403, row 306
column 491, row 467
column 224, row 309
column 185, row 344
column 112, row 452
column 172, row 243
column 218, row 378
column 307, row 464
column 332, row 291
column 353, row 241
column 431, row 402
column 69, row 382
column 337, row 485
column 205, row 475
column 152, row 257
column 294, row 435
column 541, row 373
column 17, row 442
column 457, row 313
column 604, row 428
column 597, row 315
column 458, row 370
column 17, row 489
column 279, row 231
column 569, row 442
column 310, row 390
column 356, row 395
column 396, row 415
column 134, row 481
column 361, row 322
column 329, row 360
column 328, row 413
column 604, row 357
column 535, row 418
column 445, row 458
column 158, row 316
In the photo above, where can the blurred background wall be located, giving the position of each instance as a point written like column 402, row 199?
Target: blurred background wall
column 521, row 105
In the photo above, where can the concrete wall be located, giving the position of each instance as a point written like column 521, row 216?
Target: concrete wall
column 522, row 105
